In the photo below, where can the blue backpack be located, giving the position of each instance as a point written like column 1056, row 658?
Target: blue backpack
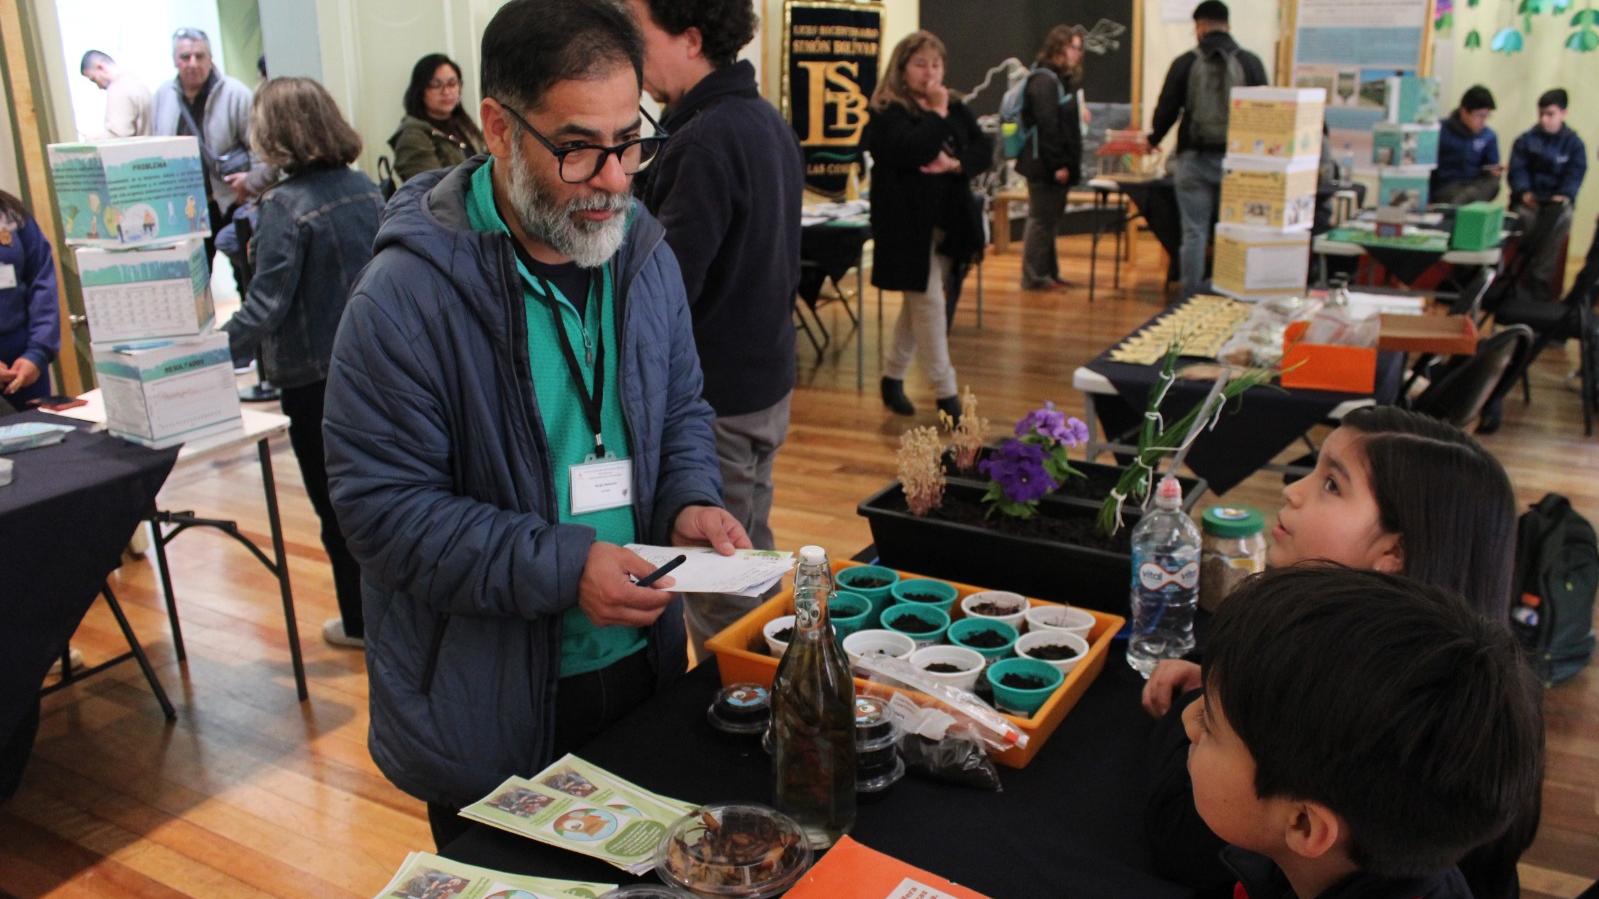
column 1014, row 136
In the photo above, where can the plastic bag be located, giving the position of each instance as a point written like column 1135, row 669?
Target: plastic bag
column 994, row 730
column 956, row 758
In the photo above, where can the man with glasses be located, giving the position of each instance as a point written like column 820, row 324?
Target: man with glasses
column 514, row 397
column 728, row 187
column 215, row 108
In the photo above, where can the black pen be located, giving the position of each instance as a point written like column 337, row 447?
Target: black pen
column 661, row 572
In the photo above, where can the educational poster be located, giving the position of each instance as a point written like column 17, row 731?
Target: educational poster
column 1350, row 48
column 830, row 61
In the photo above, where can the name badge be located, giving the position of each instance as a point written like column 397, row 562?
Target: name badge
column 8, row 276
column 601, row 484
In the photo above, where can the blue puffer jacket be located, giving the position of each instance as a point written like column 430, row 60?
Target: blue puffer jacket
column 1547, row 165
column 441, row 478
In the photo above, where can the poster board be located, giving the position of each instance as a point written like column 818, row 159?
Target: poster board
column 830, row 62
column 1350, row 48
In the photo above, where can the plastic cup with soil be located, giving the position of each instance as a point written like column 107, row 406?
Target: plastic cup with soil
column 1059, row 648
column 848, row 613
column 997, row 605
column 870, row 581
column 742, row 709
column 924, row 624
column 877, row 642
column 956, row 666
column 992, row 639
column 1050, row 617
column 1022, row 685
column 778, row 632
column 925, row 592
column 877, row 762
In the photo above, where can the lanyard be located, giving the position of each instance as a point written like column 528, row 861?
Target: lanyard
column 593, row 401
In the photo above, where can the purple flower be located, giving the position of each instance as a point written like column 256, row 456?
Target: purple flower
column 1053, row 424
column 1018, row 469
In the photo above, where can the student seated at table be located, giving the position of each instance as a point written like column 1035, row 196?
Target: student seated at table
column 1468, row 152
column 1547, row 163
column 1392, row 491
column 1359, row 732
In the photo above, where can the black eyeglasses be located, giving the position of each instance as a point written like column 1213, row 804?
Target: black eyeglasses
column 581, row 162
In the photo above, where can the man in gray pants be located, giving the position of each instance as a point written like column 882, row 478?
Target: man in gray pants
column 727, row 187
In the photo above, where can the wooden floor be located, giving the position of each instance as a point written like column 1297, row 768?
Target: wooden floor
column 251, row 793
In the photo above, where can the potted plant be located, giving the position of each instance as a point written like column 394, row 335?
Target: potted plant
column 1013, row 530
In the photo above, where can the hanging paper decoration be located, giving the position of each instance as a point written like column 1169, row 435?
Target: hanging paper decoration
column 1530, row 7
column 1559, row 6
column 1443, row 16
column 1473, row 40
column 1507, row 41
column 1584, row 38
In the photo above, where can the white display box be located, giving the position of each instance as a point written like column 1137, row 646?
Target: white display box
column 162, row 393
column 1260, row 263
column 130, row 191
column 142, row 294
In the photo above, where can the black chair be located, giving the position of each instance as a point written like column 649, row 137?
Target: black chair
column 1464, row 387
column 1571, row 318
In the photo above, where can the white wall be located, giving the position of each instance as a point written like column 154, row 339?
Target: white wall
column 1255, row 25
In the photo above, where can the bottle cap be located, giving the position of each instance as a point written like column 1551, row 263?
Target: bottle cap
column 1169, row 495
column 1233, row 521
column 813, row 554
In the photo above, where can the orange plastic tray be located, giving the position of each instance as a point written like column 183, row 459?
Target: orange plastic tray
column 741, row 654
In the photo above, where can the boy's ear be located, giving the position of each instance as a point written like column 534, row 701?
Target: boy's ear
column 1313, row 829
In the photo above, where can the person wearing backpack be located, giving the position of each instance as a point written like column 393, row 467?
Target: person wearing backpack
column 1051, row 155
column 1197, row 89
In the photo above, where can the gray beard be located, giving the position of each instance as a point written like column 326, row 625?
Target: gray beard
column 589, row 244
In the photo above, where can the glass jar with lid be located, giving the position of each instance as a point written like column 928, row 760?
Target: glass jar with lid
column 1234, row 547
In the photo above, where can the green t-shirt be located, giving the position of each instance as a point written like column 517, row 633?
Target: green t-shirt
column 584, row 647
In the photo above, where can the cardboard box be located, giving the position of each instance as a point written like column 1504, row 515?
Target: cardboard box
column 130, row 191
column 1413, row 99
column 1260, row 263
column 1404, row 144
column 1319, row 366
column 165, row 392
column 1276, row 122
column 140, row 294
column 1478, row 226
column 1265, row 193
column 1404, row 186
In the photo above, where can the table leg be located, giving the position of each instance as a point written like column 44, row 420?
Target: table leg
column 1093, row 251
column 158, row 539
column 1001, row 225
column 138, row 653
column 1121, row 225
column 860, row 336
column 271, row 490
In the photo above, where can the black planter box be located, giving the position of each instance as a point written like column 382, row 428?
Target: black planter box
column 982, row 556
column 1090, row 490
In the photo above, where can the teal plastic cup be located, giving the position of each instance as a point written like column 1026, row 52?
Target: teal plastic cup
column 848, row 612
column 935, row 622
column 855, row 578
column 971, row 632
column 926, row 592
column 1022, row 700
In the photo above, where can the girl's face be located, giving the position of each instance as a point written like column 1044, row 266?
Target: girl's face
column 443, row 93
column 924, row 69
column 1331, row 514
column 1072, row 54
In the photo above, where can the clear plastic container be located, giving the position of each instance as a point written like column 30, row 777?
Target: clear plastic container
column 1234, row 548
column 734, row 849
column 646, row 891
column 741, row 709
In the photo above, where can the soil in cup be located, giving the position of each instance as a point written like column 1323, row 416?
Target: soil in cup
column 1054, row 652
column 911, row 624
column 985, row 639
column 1022, row 681
column 923, row 597
column 943, row 668
column 786, row 635
column 868, row 583
column 994, row 609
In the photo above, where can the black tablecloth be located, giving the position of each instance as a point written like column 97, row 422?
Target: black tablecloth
column 1157, row 203
column 64, row 520
column 1256, row 427
column 1067, row 824
column 828, row 250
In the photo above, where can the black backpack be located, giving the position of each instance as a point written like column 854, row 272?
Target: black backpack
column 1557, row 573
column 1210, row 84
column 387, row 184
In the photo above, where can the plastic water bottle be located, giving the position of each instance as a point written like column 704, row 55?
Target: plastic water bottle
column 813, row 714
column 1165, row 585
column 1346, row 166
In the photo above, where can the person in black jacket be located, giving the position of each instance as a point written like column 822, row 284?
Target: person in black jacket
column 728, row 187
column 925, row 145
column 1201, row 99
column 1052, row 161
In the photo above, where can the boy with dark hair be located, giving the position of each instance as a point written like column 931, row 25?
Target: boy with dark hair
column 1547, row 164
column 1198, row 88
column 1358, row 734
column 1468, row 152
column 728, row 187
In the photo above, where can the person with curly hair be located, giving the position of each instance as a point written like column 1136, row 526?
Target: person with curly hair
column 727, row 187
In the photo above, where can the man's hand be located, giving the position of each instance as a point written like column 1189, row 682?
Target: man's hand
column 1170, row 679
column 1497, row 170
column 941, row 164
column 606, row 594
column 1558, row 198
column 1528, row 200
column 23, row 373
column 6, row 374
column 1062, row 175
column 709, row 526
column 241, row 191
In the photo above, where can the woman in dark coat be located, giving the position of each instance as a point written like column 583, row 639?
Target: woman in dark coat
column 30, row 317
column 1052, row 161
column 925, row 146
column 437, row 131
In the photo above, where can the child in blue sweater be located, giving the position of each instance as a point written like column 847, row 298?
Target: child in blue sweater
column 1547, row 164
